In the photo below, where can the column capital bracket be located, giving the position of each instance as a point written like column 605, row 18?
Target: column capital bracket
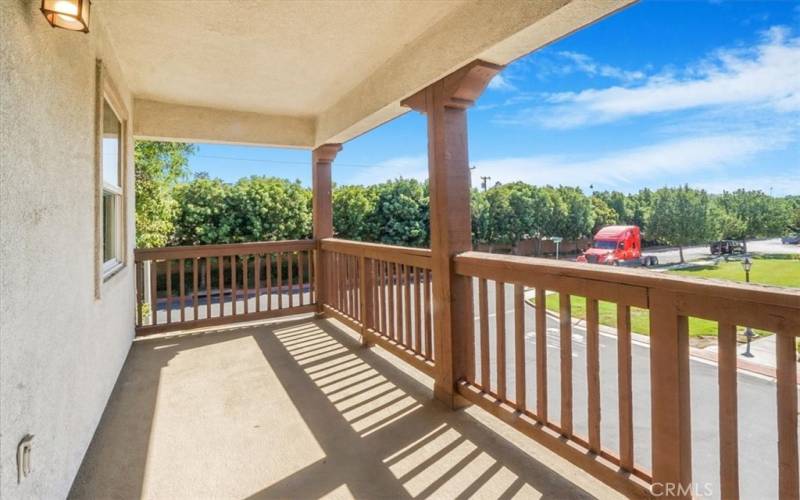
column 460, row 89
column 326, row 153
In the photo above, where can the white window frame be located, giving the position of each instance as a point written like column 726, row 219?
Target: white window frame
column 106, row 269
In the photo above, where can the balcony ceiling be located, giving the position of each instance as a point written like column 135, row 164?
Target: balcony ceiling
column 329, row 70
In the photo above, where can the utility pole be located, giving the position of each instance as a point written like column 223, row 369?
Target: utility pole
column 485, row 179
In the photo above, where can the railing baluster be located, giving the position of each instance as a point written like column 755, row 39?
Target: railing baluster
column 401, row 334
column 182, row 289
column 669, row 392
column 194, row 288
column 519, row 345
column 625, row 386
column 280, row 279
column 234, row 285
column 728, row 412
column 428, row 315
column 311, row 273
column 593, row 372
column 565, row 330
column 289, row 273
column 500, row 334
column 417, row 310
column 154, row 291
column 300, row 278
column 483, row 313
column 208, row 286
column 257, row 280
column 362, row 297
column 541, row 354
column 245, row 286
column 407, row 305
column 390, row 266
column 139, row 292
column 382, row 294
column 786, row 372
column 268, row 270
column 221, row 285
column 169, row 291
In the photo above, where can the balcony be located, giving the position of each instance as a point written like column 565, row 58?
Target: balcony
column 298, row 409
column 339, row 417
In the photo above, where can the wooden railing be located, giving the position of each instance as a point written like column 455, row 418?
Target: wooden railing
column 197, row 286
column 670, row 301
column 384, row 292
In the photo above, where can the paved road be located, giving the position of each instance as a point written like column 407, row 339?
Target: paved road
column 672, row 256
column 757, row 403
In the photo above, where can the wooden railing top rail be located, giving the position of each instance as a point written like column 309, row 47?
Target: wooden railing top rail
column 186, row 252
column 771, row 308
column 417, row 257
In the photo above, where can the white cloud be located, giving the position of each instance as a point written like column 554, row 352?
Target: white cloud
column 764, row 77
column 499, row 82
column 664, row 162
column 671, row 161
column 408, row 167
column 586, row 64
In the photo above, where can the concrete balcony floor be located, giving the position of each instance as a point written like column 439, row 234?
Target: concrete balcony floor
column 298, row 409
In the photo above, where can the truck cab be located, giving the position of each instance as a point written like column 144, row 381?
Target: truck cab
column 616, row 245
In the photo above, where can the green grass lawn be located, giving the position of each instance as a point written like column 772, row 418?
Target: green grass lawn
column 780, row 272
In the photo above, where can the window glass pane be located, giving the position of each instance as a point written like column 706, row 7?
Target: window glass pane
column 111, row 140
column 109, row 226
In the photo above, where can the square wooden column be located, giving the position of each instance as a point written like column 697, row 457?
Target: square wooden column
column 445, row 103
column 322, row 210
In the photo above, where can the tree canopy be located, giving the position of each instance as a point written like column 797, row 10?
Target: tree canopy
column 172, row 209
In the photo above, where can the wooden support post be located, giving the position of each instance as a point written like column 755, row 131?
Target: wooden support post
column 322, row 211
column 669, row 396
column 445, row 103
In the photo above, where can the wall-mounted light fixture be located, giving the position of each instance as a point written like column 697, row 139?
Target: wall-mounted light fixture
column 68, row 14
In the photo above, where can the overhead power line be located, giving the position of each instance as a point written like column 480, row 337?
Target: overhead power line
column 285, row 162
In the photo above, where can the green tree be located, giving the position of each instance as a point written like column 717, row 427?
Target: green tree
column 577, row 219
column 202, row 217
column 603, row 214
column 401, row 213
column 639, row 208
column 268, row 209
column 618, row 202
column 761, row 215
column 681, row 216
column 479, row 207
column 353, row 212
column 159, row 166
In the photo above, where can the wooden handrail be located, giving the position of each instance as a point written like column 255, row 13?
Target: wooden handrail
column 671, row 301
column 766, row 307
column 224, row 250
column 417, row 257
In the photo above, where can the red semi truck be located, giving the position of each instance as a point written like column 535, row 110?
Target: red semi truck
column 617, row 246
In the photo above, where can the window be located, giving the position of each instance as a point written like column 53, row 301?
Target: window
column 112, row 206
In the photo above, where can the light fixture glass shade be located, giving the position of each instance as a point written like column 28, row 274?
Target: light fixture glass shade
column 68, row 14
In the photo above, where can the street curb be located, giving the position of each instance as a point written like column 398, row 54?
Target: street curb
column 694, row 352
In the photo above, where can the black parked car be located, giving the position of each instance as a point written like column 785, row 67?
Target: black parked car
column 727, row 247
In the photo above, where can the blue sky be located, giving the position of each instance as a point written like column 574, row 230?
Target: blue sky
column 662, row 93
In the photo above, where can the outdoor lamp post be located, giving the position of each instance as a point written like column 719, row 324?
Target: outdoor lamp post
column 67, row 14
column 749, row 334
column 747, row 264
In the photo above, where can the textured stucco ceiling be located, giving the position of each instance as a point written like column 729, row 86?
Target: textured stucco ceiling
column 274, row 57
column 301, row 73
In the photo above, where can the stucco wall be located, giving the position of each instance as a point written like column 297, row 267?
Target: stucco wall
column 60, row 348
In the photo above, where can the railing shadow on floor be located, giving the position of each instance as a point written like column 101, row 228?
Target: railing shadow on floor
column 380, row 431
